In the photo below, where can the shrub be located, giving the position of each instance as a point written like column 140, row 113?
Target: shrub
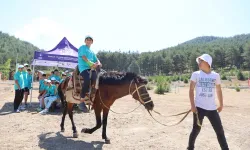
column 237, row 89
column 167, row 88
column 223, row 77
column 159, row 89
column 240, row 76
column 186, row 80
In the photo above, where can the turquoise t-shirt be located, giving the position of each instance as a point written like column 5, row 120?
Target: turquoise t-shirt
column 55, row 76
column 51, row 90
column 85, row 51
column 19, row 77
column 25, row 78
column 41, row 85
column 29, row 76
column 61, row 80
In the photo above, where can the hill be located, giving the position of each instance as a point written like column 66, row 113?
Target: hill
column 10, row 47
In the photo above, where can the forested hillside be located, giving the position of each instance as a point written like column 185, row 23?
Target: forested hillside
column 226, row 52
column 10, row 47
column 231, row 52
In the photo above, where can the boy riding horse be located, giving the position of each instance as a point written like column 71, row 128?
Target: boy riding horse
column 87, row 62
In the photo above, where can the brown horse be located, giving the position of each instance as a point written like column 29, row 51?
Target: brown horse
column 112, row 86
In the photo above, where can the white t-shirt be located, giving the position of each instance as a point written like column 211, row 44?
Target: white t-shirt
column 205, row 89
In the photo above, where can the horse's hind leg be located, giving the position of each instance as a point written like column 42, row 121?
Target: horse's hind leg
column 63, row 117
column 70, row 112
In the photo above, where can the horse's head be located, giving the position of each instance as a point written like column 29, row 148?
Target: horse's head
column 139, row 92
column 67, row 83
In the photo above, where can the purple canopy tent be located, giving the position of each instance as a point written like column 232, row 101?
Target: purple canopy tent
column 63, row 55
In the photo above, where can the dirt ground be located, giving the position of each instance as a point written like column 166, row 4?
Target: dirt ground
column 30, row 131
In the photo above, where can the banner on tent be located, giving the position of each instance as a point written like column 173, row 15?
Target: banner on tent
column 54, row 57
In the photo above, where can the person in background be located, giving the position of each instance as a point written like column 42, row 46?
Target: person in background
column 57, row 75
column 29, row 79
column 19, row 88
column 43, row 95
column 67, row 73
column 42, row 88
column 50, row 97
column 26, row 88
column 64, row 75
column 51, row 75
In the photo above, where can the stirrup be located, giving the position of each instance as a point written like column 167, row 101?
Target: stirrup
column 86, row 100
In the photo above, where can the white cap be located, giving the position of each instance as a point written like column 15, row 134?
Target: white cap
column 26, row 64
column 53, row 79
column 20, row 66
column 41, row 72
column 207, row 58
column 45, row 80
column 63, row 73
column 66, row 71
column 48, row 81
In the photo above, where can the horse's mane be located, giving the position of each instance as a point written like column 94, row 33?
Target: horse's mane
column 118, row 78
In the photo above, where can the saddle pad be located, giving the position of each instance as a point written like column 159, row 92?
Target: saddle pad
column 70, row 99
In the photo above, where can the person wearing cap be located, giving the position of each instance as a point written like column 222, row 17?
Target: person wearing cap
column 42, row 88
column 26, row 88
column 64, row 75
column 87, row 60
column 19, row 88
column 50, row 96
column 67, row 73
column 206, row 82
column 56, row 75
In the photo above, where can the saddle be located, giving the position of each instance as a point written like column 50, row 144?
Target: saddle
column 77, row 84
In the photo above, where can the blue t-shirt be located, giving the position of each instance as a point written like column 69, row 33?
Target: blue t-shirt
column 19, row 77
column 25, row 78
column 41, row 85
column 56, row 77
column 61, row 80
column 85, row 51
column 51, row 90
column 29, row 78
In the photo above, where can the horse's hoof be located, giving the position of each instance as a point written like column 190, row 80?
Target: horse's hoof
column 75, row 135
column 62, row 130
column 84, row 130
column 107, row 141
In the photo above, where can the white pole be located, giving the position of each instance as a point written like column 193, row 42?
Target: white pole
column 33, row 72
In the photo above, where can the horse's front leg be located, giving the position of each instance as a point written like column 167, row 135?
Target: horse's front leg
column 63, row 117
column 104, row 125
column 98, row 110
column 70, row 111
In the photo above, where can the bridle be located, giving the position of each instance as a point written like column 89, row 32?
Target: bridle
column 142, row 100
column 135, row 91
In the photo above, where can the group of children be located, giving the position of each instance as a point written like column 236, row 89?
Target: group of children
column 48, row 89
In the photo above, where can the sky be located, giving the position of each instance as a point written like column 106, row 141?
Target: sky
column 136, row 25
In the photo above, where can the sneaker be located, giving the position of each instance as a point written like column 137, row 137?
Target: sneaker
column 44, row 112
column 23, row 107
column 83, row 107
column 39, row 109
column 17, row 111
